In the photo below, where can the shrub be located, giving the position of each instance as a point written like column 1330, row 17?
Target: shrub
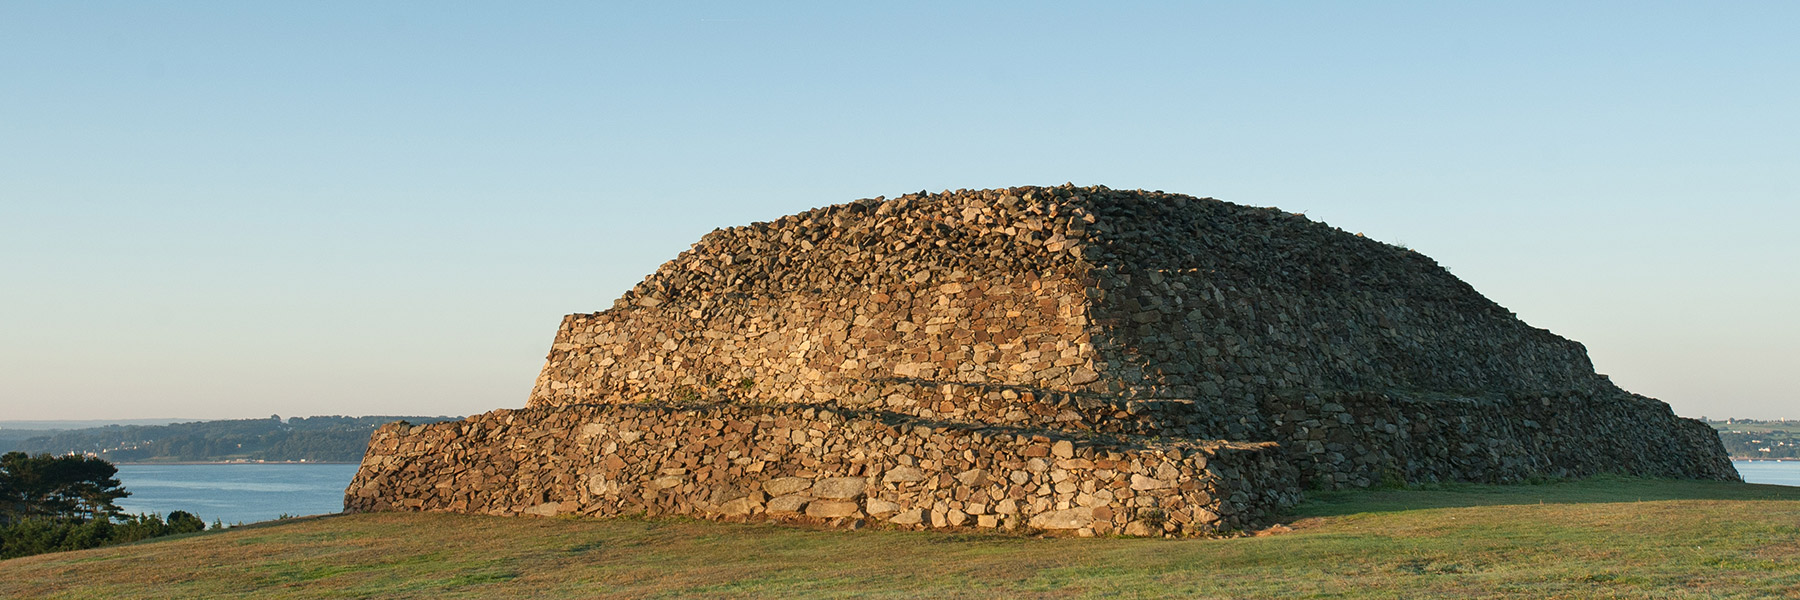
column 56, row 503
column 25, row 537
column 57, row 487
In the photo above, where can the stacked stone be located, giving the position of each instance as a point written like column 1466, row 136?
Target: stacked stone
column 1229, row 305
column 1363, row 439
column 1020, row 329
column 827, row 303
column 999, row 321
column 1090, row 309
column 1127, row 293
column 818, row 464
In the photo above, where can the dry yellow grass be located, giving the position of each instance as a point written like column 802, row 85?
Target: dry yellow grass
column 1599, row 538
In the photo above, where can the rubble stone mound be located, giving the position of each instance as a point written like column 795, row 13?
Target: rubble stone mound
column 1083, row 359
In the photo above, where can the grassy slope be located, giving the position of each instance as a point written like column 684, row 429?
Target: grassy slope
column 1587, row 539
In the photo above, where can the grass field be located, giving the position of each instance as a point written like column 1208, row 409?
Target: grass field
column 1600, row 538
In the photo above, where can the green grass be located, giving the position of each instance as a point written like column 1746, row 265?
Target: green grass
column 1599, row 538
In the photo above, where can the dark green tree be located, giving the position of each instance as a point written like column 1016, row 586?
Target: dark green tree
column 182, row 521
column 57, row 487
column 36, row 536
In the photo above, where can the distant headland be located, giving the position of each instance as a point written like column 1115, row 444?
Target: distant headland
column 320, row 439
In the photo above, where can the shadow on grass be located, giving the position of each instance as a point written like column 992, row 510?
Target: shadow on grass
column 1600, row 489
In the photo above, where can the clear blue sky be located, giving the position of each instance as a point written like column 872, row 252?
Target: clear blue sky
column 233, row 209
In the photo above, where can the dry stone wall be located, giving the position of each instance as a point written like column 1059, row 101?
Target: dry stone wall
column 1023, row 330
column 819, row 464
column 1064, row 289
column 841, row 303
column 1363, row 439
column 1084, row 309
column 1126, row 323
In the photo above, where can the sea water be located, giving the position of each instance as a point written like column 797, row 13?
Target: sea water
column 236, row 492
column 1777, row 472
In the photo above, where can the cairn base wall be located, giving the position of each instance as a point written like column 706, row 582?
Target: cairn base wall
column 1364, row 439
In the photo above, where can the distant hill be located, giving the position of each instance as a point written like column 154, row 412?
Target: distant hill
column 84, row 423
column 1750, row 438
column 310, row 439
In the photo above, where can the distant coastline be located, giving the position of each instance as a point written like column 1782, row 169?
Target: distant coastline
column 297, row 440
column 240, row 462
column 1751, row 439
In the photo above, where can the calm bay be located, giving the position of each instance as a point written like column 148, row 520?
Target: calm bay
column 1774, row 472
column 236, row 492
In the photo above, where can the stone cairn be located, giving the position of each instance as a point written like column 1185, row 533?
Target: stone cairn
column 1083, row 360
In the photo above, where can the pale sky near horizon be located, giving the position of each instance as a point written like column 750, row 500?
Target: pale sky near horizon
column 228, row 209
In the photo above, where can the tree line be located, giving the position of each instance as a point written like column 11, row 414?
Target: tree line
column 55, row 503
column 1766, row 445
column 1758, row 439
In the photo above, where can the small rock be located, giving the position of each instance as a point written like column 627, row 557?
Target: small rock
column 791, row 503
column 839, row 487
column 830, row 508
column 737, row 507
column 1167, row 472
column 877, row 507
column 1084, row 375
column 972, row 477
column 904, row 474
column 786, row 485
column 909, row 517
column 1073, row 518
column 1142, row 483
